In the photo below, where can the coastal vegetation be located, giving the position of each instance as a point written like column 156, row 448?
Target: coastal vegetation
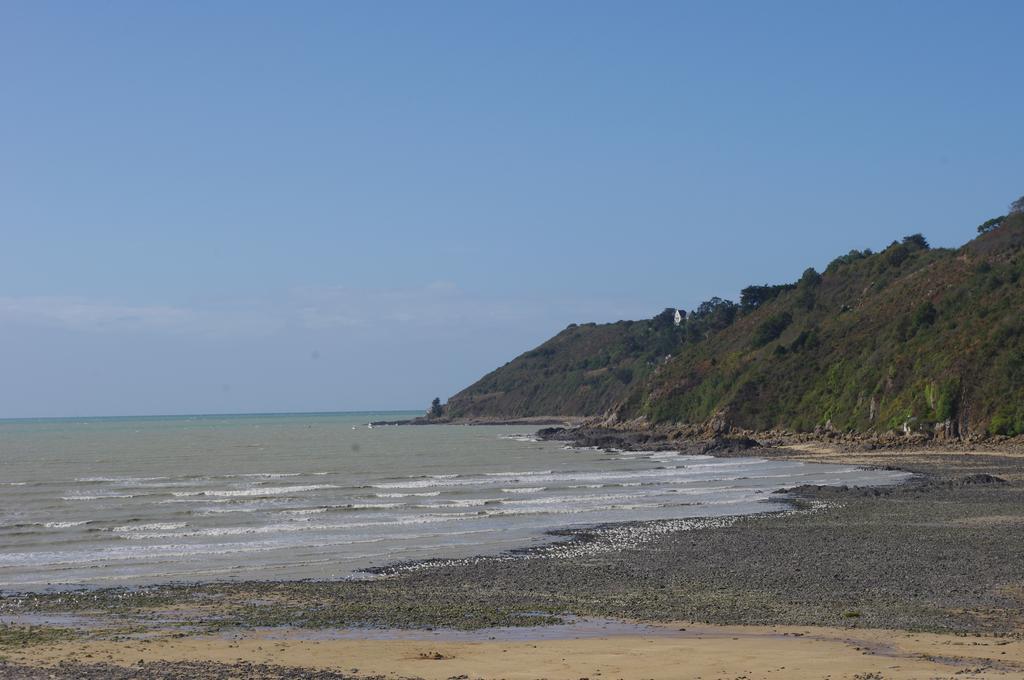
column 908, row 339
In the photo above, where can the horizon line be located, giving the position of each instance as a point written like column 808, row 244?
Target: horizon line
column 209, row 415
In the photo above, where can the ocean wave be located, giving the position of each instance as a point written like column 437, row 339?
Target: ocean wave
column 406, row 495
column 370, row 506
column 422, row 483
column 527, row 438
column 464, row 503
column 97, row 497
column 525, row 489
column 100, row 480
column 257, row 491
column 576, row 500
column 215, row 532
column 154, row 526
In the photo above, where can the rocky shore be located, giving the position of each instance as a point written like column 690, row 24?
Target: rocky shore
column 719, row 440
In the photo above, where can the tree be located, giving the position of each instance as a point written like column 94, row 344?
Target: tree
column 1017, row 206
column 810, row 277
column 989, row 225
column 713, row 315
column 436, row 410
column 917, row 240
column 666, row 318
column 753, row 297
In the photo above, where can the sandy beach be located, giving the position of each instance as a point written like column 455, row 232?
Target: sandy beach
column 697, row 652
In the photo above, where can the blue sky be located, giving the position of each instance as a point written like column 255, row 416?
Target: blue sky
column 255, row 206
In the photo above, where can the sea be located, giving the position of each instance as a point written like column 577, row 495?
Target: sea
column 144, row 500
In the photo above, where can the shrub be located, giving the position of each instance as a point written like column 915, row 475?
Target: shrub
column 771, row 328
column 924, row 315
column 1005, row 424
column 849, row 258
column 808, row 339
column 946, row 406
column 896, row 254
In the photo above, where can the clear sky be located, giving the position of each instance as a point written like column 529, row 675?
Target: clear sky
column 271, row 206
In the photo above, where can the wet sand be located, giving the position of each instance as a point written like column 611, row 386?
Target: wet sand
column 698, row 652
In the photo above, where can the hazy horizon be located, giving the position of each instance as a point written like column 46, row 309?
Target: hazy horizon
column 239, row 414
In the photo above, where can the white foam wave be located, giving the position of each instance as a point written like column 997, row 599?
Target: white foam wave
column 373, row 506
column 97, row 497
column 295, row 527
column 406, row 495
column 465, row 503
column 154, row 526
column 575, row 501
column 88, row 480
column 258, row 491
column 528, row 438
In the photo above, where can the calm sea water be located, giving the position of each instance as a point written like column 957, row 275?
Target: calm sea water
column 144, row 500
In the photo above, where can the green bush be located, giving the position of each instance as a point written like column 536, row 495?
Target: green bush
column 924, row 315
column 771, row 328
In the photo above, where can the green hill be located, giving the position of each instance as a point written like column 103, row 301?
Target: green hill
column 584, row 370
column 906, row 338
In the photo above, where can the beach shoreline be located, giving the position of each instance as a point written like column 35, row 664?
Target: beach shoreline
column 937, row 555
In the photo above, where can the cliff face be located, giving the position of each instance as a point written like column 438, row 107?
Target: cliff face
column 909, row 338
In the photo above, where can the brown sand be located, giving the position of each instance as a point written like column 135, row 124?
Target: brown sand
column 698, row 652
column 1004, row 463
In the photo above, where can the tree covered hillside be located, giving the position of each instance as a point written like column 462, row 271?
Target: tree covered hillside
column 584, row 370
column 907, row 338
